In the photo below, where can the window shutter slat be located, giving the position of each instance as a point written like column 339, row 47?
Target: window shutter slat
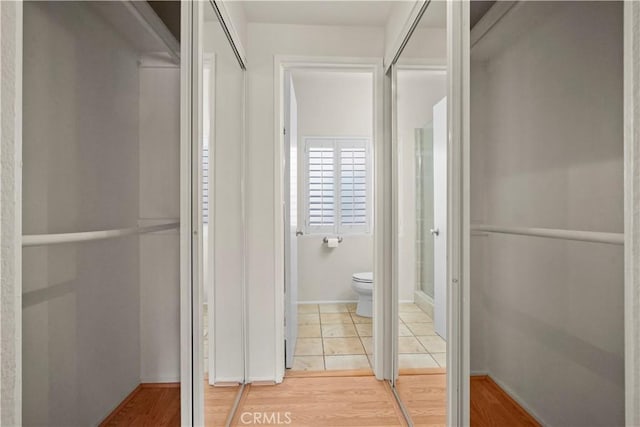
column 320, row 181
column 353, row 186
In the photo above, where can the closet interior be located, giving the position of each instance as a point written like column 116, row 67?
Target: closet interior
column 547, row 208
column 101, row 135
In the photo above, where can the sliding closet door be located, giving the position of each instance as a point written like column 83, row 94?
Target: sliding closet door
column 429, row 122
column 213, row 153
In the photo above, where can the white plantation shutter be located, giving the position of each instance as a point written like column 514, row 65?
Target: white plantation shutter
column 337, row 185
column 353, row 186
column 320, row 182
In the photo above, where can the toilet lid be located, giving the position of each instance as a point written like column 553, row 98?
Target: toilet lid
column 363, row 277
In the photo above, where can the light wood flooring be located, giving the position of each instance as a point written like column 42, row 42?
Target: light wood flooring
column 328, row 399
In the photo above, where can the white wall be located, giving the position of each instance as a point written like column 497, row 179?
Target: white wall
column 159, row 203
column 331, row 104
column 81, row 326
column 417, row 92
column 550, row 141
column 265, row 41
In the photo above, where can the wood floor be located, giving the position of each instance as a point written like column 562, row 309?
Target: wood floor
column 491, row 406
column 327, row 399
column 425, row 397
column 148, row 405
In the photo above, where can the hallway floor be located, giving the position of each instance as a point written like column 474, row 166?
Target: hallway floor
column 334, row 337
column 325, row 399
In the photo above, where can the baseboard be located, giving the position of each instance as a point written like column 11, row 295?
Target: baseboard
column 345, row 301
column 421, row 371
column 120, row 406
column 340, row 301
column 160, row 385
column 332, row 373
column 160, row 380
column 424, row 301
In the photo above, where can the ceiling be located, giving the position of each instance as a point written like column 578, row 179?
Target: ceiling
column 332, row 12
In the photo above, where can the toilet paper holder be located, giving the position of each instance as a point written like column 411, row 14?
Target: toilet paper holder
column 326, row 239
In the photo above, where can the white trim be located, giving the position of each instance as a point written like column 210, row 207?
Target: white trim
column 395, row 224
column 11, row 34
column 631, row 212
column 337, row 301
column 374, row 66
column 186, row 196
column 458, row 214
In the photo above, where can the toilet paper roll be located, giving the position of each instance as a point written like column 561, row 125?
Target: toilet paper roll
column 333, row 242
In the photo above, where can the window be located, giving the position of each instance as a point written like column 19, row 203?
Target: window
column 337, row 185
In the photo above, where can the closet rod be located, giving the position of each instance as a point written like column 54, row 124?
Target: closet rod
column 86, row 236
column 552, row 233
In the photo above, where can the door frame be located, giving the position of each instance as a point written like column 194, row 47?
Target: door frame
column 374, row 66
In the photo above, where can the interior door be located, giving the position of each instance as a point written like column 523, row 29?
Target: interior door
column 291, row 219
column 439, row 230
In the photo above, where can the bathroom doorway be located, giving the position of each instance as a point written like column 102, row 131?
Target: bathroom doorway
column 422, row 215
column 328, row 139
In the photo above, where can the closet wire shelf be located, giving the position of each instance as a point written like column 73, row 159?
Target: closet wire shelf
column 86, row 236
column 552, row 233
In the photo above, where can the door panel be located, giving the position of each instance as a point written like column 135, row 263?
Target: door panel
column 440, row 217
column 291, row 218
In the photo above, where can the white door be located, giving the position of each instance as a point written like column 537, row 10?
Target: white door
column 440, row 217
column 291, row 219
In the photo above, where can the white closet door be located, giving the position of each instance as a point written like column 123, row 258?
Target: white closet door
column 440, row 217
column 291, row 219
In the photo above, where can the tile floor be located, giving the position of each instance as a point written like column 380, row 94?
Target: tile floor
column 333, row 336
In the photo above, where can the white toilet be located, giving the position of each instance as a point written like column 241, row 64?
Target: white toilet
column 362, row 284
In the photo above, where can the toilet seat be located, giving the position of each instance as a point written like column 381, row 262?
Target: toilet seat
column 363, row 277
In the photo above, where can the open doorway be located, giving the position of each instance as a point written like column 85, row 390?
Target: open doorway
column 328, row 194
column 422, row 215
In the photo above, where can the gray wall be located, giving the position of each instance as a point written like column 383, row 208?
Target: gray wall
column 547, row 151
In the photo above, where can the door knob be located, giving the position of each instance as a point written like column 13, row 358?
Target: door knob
column 435, row 231
column 299, row 233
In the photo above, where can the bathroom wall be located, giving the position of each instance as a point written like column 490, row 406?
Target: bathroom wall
column 265, row 41
column 417, row 92
column 549, row 137
column 331, row 104
column 81, row 302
